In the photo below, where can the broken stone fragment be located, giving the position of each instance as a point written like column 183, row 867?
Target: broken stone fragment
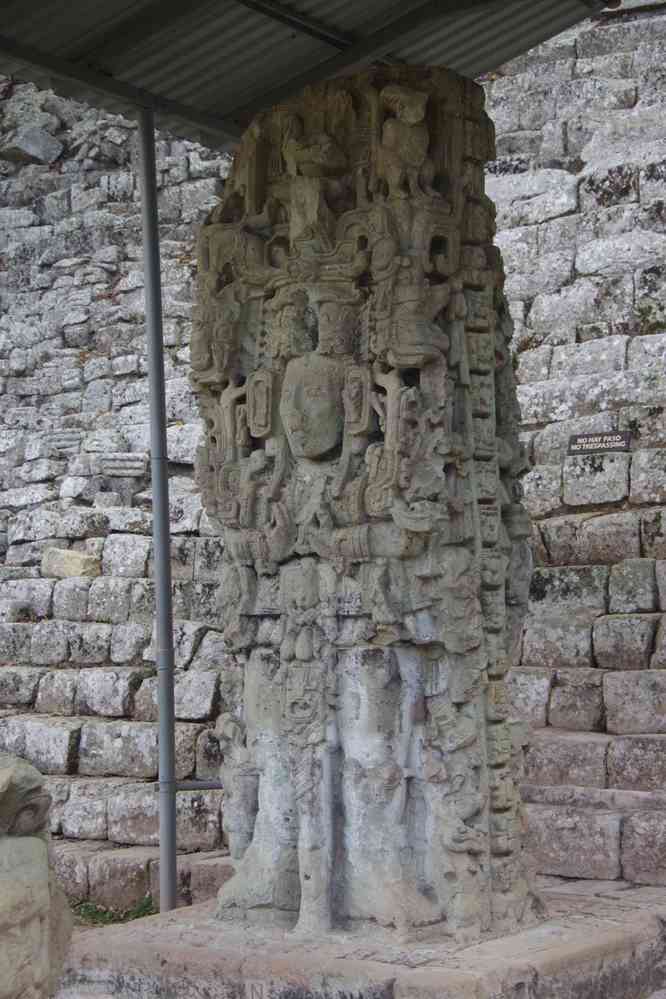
column 64, row 562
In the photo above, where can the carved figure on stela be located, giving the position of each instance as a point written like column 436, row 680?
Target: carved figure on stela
column 361, row 460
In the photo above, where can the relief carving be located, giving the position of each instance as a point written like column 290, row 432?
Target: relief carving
column 350, row 354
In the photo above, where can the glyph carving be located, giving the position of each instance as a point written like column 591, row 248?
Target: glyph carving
column 351, row 358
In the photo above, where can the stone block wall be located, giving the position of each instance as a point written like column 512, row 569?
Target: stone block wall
column 77, row 670
column 580, row 186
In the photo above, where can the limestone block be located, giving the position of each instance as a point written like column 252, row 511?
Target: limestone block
column 107, row 692
column 644, row 848
column 195, row 695
column 637, row 762
column 653, row 533
column 70, row 599
column 624, row 641
column 542, row 487
column 585, row 539
column 532, row 197
column 646, row 424
column 574, row 843
column 57, row 692
column 118, row 748
column 548, row 272
column 586, row 394
column 33, row 594
column 182, row 559
column 89, row 643
column 125, row 555
column 50, row 744
column 120, row 879
column 128, row 642
column 551, row 443
column 648, row 476
column 109, row 600
column 607, row 354
column 635, row 702
column 49, row 643
column 84, row 813
column 618, row 254
column 124, row 520
column 133, row 817
column 183, row 441
column 595, row 478
column 200, row 876
column 576, row 701
column 18, row 685
column 65, row 562
column 186, row 638
column 31, row 144
column 15, row 643
column 70, row 861
column 555, row 757
column 529, row 692
column 632, row 586
column 33, row 525
column 533, row 365
column 566, row 590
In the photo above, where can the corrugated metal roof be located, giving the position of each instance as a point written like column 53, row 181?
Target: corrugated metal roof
column 204, row 66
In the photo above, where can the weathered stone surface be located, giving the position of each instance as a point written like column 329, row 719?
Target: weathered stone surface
column 543, row 489
column 555, row 757
column 644, row 848
column 107, row 692
column 49, row 643
column 624, row 641
column 576, row 700
column 118, row 748
column 586, row 539
column 35, row 922
column 120, row 879
column 632, row 586
column 557, row 642
column 48, row 743
column 89, row 643
column 57, row 692
column 70, row 599
column 18, row 685
column 635, row 702
column 638, row 762
column 565, row 589
column 648, row 476
column 126, row 555
column 381, row 517
column 109, row 600
column 653, row 533
column 595, row 478
column 533, row 197
column 574, row 843
column 195, row 696
column 32, row 594
column 529, row 693
column 70, row 861
column 84, row 813
column 133, row 818
column 61, row 562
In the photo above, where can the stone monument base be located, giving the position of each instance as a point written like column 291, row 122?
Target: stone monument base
column 602, row 940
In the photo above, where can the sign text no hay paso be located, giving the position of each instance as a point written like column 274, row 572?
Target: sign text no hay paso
column 595, row 443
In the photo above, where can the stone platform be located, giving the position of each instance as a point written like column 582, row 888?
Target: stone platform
column 601, row 940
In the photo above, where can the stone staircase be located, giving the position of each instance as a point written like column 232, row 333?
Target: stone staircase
column 596, row 805
column 121, row 878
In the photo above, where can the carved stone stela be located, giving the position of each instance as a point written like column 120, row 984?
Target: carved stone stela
column 350, row 356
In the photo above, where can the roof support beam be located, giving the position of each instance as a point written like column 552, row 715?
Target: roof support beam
column 366, row 49
column 50, row 67
column 299, row 22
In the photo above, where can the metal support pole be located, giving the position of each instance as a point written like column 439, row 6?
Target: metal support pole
column 160, row 487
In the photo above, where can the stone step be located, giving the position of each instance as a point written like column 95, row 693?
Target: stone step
column 120, row 878
column 557, row 756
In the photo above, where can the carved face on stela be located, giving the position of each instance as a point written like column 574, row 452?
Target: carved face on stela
column 311, row 402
